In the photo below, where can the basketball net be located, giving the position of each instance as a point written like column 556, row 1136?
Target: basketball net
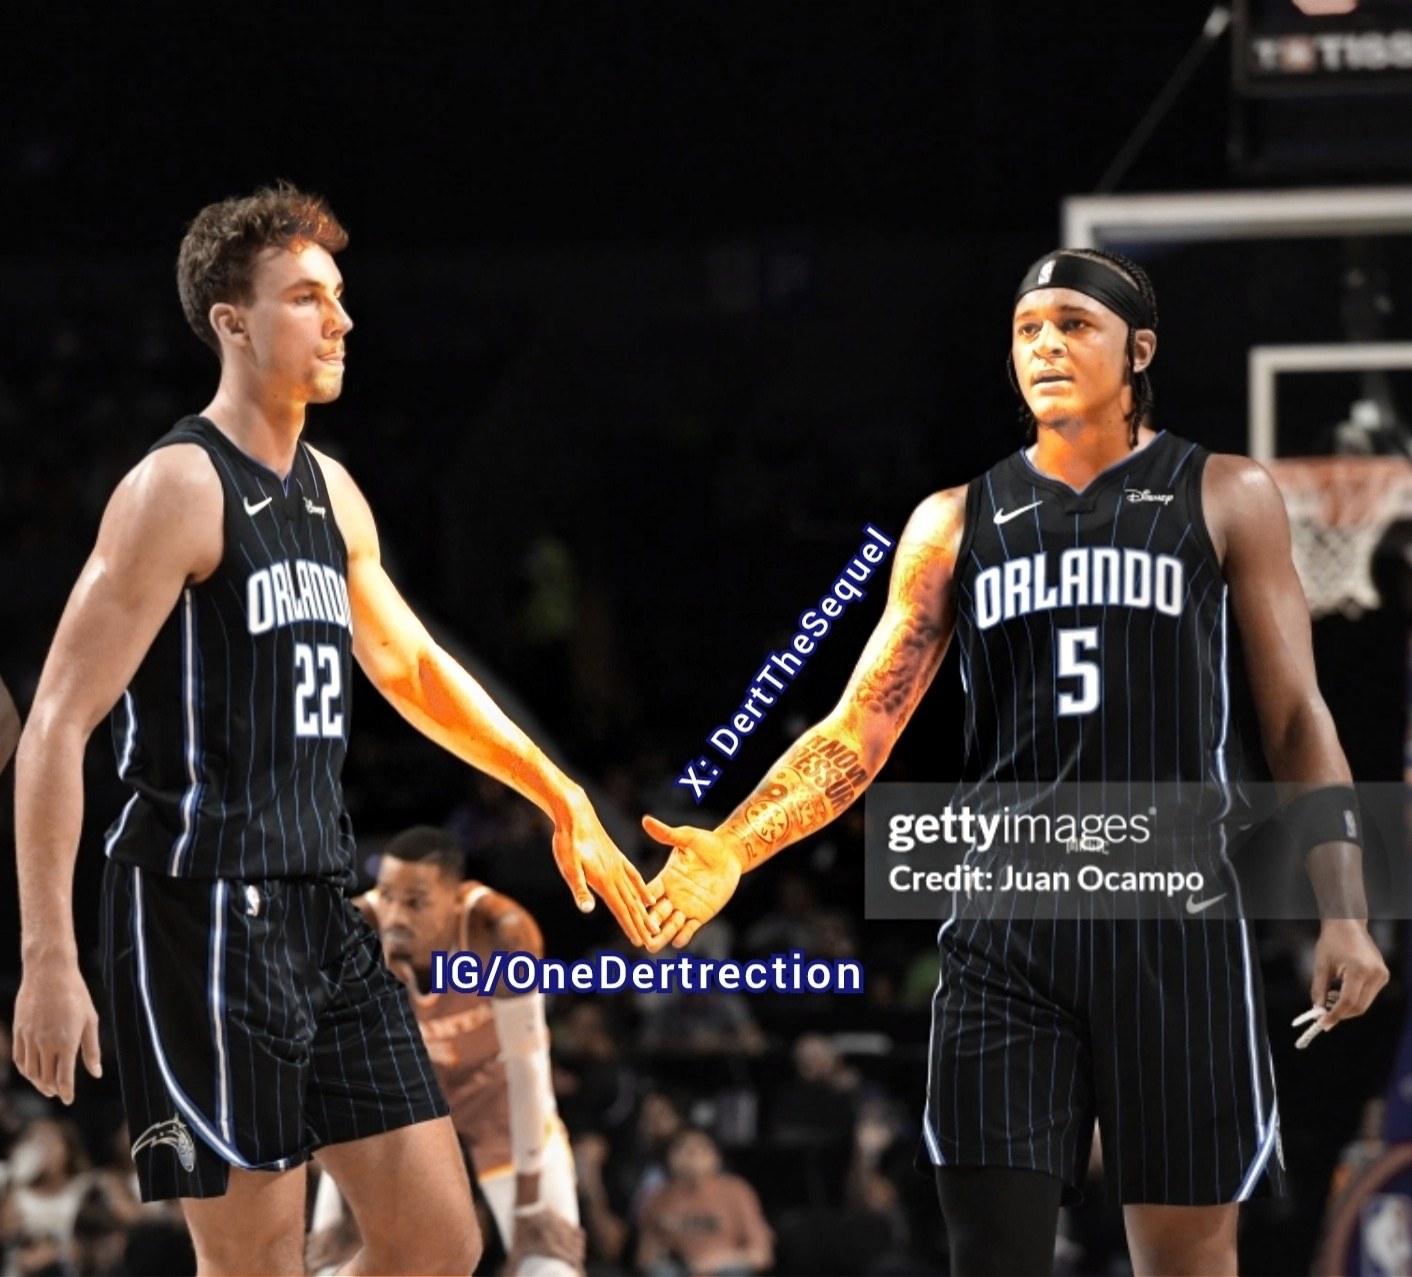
column 1339, row 508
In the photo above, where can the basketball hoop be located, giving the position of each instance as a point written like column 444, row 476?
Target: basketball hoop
column 1339, row 509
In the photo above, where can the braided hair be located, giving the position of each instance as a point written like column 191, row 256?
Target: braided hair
column 1143, row 398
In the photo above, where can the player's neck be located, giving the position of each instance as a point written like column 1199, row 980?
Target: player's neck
column 1077, row 451
column 263, row 426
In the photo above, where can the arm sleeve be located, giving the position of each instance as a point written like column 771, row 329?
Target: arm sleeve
column 524, row 1050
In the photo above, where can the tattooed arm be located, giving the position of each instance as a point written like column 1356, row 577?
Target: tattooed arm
column 821, row 774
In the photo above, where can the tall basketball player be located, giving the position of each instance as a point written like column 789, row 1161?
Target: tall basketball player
column 491, row 1054
column 235, row 577
column 1153, row 1027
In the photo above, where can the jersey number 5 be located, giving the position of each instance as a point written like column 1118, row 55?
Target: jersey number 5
column 317, row 717
column 1071, row 643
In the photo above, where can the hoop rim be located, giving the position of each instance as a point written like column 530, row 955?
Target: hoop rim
column 1344, row 491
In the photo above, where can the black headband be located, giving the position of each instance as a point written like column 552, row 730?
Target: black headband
column 1094, row 279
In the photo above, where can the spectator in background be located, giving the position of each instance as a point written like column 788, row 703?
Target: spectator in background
column 702, row 1220
column 701, row 1024
column 18, row 1106
column 158, row 1248
column 99, row 1236
column 868, row 1231
column 870, row 1190
column 790, row 923
column 642, row 1168
column 47, row 1182
column 607, row 1231
column 595, row 1087
column 817, row 1106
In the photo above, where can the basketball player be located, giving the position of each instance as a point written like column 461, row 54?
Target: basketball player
column 235, row 577
column 491, row 1054
column 1153, row 1026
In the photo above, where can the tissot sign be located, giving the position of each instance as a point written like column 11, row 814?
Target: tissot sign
column 1281, row 50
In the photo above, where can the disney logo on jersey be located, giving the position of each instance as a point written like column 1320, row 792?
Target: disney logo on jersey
column 173, row 1132
column 285, row 593
column 1146, row 494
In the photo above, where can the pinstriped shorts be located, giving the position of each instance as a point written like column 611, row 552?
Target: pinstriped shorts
column 254, row 1022
column 1156, row 1028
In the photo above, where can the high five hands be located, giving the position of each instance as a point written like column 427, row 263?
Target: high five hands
column 699, row 877
column 588, row 858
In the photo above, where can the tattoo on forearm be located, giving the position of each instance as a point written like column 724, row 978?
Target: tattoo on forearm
column 820, row 776
column 815, row 781
column 893, row 682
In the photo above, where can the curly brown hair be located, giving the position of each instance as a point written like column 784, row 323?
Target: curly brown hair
column 219, row 252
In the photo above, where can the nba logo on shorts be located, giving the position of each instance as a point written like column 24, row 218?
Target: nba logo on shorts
column 171, row 1132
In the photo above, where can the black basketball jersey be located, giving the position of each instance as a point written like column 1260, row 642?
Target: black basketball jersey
column 233, row 730
column 1092, row 626
column 1094, row 644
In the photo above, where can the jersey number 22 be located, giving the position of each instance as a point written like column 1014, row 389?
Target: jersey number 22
column 316, row 711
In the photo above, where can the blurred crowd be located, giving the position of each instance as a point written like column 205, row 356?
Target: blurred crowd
column 69, row 1201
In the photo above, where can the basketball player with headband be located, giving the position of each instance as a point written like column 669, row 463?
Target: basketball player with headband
column 1152, row 1026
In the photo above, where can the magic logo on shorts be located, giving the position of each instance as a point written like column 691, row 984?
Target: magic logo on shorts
column 173, row 1132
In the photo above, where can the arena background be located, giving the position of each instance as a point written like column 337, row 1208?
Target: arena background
column 655, row 309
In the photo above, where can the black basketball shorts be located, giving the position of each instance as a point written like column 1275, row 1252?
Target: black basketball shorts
column 254, row 1022
column 1155, row 1028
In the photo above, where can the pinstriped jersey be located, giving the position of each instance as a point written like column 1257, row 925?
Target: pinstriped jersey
column 232, row 732
column 1092, row 625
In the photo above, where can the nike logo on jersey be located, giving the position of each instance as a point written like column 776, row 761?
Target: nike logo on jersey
column 1002, row 517
column 314, row 509
column 1194, row 906
column 171, row 1132
column 258, row 506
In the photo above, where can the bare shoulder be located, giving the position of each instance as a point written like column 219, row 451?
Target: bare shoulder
column 505, row 922
column 172, row 500
column 1229, row 472
column 927, row 549
column 340, row 482
column 488, row 907
column 938, row 521
column 350, row 508
column 1241, row 502
column 176, row 475
column 333, row 470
